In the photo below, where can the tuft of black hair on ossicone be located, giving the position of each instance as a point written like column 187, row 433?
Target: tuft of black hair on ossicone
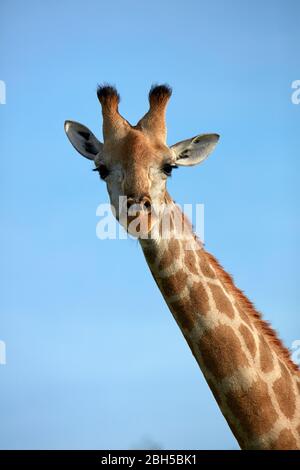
column 159, row 94
column 107, row 93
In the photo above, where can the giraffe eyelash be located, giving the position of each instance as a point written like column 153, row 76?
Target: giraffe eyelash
column 168, row 167
column 102, row 170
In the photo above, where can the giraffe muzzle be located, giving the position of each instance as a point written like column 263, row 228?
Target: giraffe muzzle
column 140, row 216
column 137, row 205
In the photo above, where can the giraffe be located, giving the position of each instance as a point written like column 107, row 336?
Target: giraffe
column 249, row 371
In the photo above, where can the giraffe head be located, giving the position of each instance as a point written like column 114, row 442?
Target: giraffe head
column 135, row 161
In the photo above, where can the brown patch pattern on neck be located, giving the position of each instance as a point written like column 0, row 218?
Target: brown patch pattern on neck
column 254, row 409
column 249, row 339
column 285, row 441
column 283, row 389
column 221, row 351
column 221, row 300
column 266, row 358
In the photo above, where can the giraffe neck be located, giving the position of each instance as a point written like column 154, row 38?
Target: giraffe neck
column 246, row 367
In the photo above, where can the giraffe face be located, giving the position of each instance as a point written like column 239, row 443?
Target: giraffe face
column 135, row 172
column 135, row 161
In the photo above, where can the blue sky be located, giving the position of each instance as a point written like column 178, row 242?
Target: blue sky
column 94, row 358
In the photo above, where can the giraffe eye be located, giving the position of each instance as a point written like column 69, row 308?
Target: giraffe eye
column 167, row 168
column 103, row 171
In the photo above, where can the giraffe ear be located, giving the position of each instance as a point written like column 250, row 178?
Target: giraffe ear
column 193, row 151
column 83, row 139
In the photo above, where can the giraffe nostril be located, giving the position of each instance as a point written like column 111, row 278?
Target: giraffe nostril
column 143, row 203
column 147, row 205
column 130, row 201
